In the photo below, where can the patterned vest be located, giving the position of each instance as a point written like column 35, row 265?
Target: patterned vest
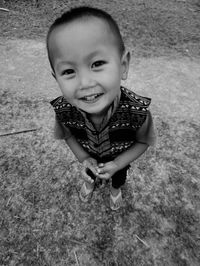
column 118, row 134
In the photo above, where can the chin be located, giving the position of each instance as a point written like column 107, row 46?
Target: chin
column 98, row 111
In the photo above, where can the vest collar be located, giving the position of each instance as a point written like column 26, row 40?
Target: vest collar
column 107, row 116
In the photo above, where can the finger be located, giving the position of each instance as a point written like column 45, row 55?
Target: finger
column 102, row 170
column 87, row 177
column 104, row 176
column 98, row 171
column 92, row 162
column 93, row 171
column 92, row 165
column 90, row 173
column 89, row 163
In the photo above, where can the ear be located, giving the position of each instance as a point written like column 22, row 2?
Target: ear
column 125, row 64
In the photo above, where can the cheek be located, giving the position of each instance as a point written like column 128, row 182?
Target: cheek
column 115, row 74
column 111, row 78
column 66, row 86
column 113, row 81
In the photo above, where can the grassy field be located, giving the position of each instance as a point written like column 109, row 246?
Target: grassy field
column 150, row 28
column 42, row 220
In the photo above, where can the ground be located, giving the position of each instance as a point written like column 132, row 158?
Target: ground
column 42, row 219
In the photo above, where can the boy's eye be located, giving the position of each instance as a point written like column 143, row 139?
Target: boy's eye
column 98, row 63
column 68, row 72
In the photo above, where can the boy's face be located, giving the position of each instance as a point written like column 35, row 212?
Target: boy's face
column 87, row 64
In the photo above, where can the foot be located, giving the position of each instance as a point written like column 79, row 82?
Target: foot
column 115, row 199
column 86, row 191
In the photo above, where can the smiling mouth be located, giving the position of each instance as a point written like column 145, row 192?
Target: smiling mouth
column 91, row 98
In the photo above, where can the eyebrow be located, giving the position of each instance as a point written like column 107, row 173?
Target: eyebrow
column 94, row 53
column 65, row 63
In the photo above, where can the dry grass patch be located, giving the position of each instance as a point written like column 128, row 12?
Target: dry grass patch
column 43, row 221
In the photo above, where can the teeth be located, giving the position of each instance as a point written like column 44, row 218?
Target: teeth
column 91, row 98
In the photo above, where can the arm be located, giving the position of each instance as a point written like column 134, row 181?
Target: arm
column 76, row 148
column 145, row 136
column 105, row 171
column 88, row 163
column 62, row 132
column 130, row 155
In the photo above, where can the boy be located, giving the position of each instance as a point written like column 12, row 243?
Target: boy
column 105, row 125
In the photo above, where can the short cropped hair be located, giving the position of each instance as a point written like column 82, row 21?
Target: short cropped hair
column 86, row 12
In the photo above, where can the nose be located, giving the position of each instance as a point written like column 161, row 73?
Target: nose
column 86, row 80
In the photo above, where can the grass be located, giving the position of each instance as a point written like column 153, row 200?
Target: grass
column 44, row 223
column 149, row 28
column 41, row 218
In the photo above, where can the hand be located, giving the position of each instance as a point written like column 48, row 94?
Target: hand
column 89, row 166
column 107, row 170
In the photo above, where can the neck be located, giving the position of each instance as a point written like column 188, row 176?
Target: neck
column 97, row 118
